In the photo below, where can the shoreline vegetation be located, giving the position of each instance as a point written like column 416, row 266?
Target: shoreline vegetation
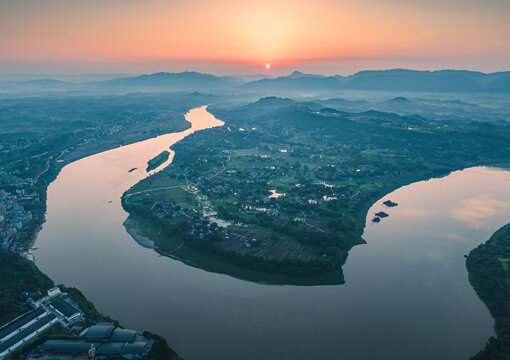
column 489, row 274
column 131, row 229
column 281, row 192
column 158, row 160
column 54, row 151
column 173, row 247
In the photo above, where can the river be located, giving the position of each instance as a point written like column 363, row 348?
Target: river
column 406, row 294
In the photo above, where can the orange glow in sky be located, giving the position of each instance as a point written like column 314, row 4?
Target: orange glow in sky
column 251, row 32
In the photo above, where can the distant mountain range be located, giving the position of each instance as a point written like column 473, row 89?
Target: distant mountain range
column 296, row 81
column 398, row 80
column 188, row 80
column 379, row 80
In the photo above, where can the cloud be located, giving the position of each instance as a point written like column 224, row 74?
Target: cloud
column 475, row 211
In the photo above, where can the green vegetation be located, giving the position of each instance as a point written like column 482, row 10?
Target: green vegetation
column 171, row 245
column 160, row 349
column 20, row 279
column 158, row 160
column 17, row 276
column 280, row 193
column 489, row 275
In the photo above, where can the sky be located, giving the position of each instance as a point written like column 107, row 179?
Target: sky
column 240, row 37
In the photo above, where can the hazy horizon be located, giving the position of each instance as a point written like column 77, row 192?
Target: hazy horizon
column 287, row 71
column 228, row 38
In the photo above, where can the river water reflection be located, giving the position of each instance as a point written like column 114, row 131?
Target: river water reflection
column 406, row 296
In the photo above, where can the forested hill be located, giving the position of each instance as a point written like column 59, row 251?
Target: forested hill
column 489, row 273
column 18, row 275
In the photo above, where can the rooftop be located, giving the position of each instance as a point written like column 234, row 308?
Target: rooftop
column 100, row 332
column 135, row 348
column 109, row 341
column 24, row 333
column 67, row 346
column 65, row 308
column 20, row 322
column 123, row 335
column 111, row 348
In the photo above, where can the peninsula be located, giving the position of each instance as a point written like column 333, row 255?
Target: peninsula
column 280, row 193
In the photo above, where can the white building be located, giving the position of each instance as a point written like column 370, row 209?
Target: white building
column 53, row 291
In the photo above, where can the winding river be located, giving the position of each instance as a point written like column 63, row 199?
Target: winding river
column 406, row 294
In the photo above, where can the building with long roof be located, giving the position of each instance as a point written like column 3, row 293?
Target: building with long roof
column 108, row 341
column 20, row 331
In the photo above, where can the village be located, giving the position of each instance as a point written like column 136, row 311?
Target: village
column 17, row 223
column 265, row 202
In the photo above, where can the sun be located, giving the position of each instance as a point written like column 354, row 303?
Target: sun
column 268, row 66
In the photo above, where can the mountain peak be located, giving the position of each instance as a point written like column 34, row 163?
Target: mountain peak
column 400, row 99
column 296, row 74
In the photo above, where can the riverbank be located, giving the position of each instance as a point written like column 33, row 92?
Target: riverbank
column 489, row 274
column 132, row 230
column 55, row 160
column 173, row 247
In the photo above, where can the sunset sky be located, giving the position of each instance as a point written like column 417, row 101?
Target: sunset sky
column 229, row 36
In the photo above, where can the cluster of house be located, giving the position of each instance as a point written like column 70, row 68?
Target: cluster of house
column 225, row 188
column 267, row 173
column 221, row 189
column 100, row 131
column 272, row 209
column 14, row 218
column 104, row 339
column 201, row 227
column 167, row 210
column 11, row 179
column 21, row 144
column 351, row 195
